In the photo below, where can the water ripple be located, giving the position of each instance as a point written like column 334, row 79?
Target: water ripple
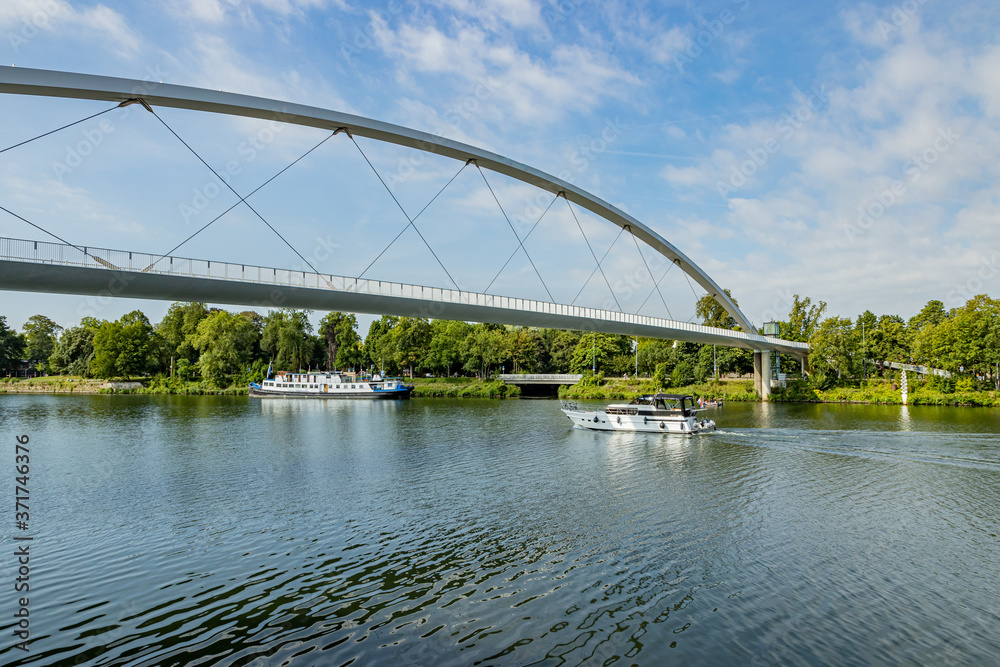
column 223, row 531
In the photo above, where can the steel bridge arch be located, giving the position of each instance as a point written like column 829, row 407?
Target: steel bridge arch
column 49, row 83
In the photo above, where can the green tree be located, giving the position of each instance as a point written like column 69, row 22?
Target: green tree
column 11, row 347
column 257, row 321
column 712, row 313
column 653, row 353
column 122, row 348
column 287, row 337
column 889, row 341
column 485, row 348
column 177, row 328
column 834, row 347
column 445, row 350
column 682, row 374
column 803, row 319
column 964, row 342
column 931, row 314
column 600, row 348
column 341, row 342
column 409, row 341
column 729, row 360
column 75, row 349
column 377, row 350
column 40, row 336
column 561, row 352
column 225, row 345
column 660, row 377
column 524, row 345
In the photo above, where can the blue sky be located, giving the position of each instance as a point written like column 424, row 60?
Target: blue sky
column 843, row 151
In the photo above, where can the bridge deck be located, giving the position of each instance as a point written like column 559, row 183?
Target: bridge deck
column 37, row 266
column 539, row 378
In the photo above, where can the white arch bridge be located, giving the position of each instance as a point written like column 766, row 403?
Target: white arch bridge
column 66, row 268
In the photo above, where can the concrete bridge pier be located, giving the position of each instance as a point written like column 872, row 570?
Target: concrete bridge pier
column 756, row 373
column 765, row 375
column 762, row 374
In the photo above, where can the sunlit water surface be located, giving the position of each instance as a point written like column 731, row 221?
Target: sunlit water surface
column 217, row 530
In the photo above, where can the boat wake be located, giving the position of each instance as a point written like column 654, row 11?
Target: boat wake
column 971, row 450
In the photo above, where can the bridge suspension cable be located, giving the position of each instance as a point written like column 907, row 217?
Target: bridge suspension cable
column 520, row 243
column 407, row 215
column 232, row 189
column 37, row 226
column 56, row 236
column 525, row 238
column 242, row 199
column 656, row 286
column 411, row 222
column 599, row 262
column 58, row 129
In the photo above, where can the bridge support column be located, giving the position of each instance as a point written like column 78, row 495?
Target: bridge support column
column 756, row 373
column 765, row 375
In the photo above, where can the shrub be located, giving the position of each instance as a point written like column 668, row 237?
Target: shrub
column 682, row 374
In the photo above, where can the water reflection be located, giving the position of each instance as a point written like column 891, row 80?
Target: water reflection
column 180, row 530
column 765, row 415
column 905, row 423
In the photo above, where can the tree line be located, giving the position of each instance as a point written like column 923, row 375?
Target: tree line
column 195, row 342
column 963, row 340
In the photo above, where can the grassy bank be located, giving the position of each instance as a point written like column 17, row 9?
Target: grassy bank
column 798, row 391
column 423, row 387
column 74, row 385
column 620, row 388
column 881, row 392
column 462, row 388
column 590, row 388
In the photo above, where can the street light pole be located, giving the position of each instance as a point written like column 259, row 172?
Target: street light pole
column 593, row 338
column 864, row 353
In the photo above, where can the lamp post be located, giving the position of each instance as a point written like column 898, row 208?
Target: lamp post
column 593, row 338
column 864, row 353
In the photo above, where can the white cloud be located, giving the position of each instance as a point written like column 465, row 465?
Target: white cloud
column 217, row 11
column 666, row 45
column 506, row 81
column 921, row 118
column 26, row 18
column 727, row 76
column 515, row 13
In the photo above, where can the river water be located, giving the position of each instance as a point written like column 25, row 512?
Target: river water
column 225, row 530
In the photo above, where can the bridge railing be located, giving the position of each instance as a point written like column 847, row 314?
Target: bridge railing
column 564, row 378
column 44, row 252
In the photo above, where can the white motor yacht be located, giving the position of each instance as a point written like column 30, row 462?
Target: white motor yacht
column 652, row 413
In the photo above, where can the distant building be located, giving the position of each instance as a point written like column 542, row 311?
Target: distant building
column 23, row 369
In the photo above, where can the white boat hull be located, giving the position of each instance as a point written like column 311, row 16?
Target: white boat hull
column 373, row 393
column 598, row 420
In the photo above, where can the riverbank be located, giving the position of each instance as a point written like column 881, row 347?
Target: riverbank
column 423, row 387
column 461, row 387
column 75, row 385
column 874, row 392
